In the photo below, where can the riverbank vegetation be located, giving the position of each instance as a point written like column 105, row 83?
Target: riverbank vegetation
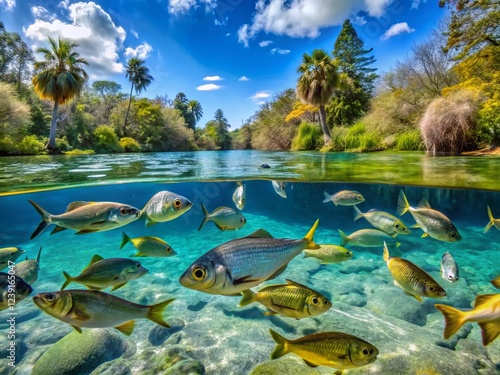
column 444, row 97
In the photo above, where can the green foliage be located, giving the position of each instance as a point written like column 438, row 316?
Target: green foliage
column 106, row 139
column 80, row 152
column 130, row 145
column 7, row 146
column 409, row 141
column 217, row 129
column 308, row 137
column 138, row 75
column 242, row 138
column 14, row 114
column 489, row 121
column 30, row 145
column 358, row 139
column 62, row 144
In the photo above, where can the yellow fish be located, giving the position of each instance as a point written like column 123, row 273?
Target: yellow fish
column 493, row 221
column 327, row 254
column 486, row 313
column 149, row 246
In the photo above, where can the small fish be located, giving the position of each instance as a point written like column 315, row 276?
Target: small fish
column 496, row 282
column 330, row 349
column 102, row 273
column 327, row 254
column 367, row 238
column 9, row 254
column 13, row 290
column 486, row 313
column 87, row 217
column 240, row 196
column 243, row 263
column 149, row 246
column 432, row 222
column 292, row 300
column 493, row 221
column 165, row 206
column 224, row 218
column 279, row 188
column 449, row 268
column 344, row 198
column 412, row 279
column 29, row 268
column 95, row 309
column 384, row 221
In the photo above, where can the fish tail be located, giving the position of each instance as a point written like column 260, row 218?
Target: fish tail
column 126, row 239
column 496, row 282
column 492, row 220
column 281, row 345
column 205, row 216
column 454, row 319
column 309, row 237
column 68, row 281
column 328, row 197
column 156, row 311
column 386, row 253
column 403, row 204
column 38, row 256
column 45, row 220
column 248, row 297
column 359, row 214
column 344, row 240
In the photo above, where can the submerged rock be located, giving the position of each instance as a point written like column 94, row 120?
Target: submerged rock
column 159, row 334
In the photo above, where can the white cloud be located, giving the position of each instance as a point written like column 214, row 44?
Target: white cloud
column 416, row 3
column 305, row 18
column 8, row 4
column 98, row 38
column 208, row 87
column 142, row 51
column 260, row 95
column 64, row 4
column 280, row 51
column 184, row 6
column 397, row 28
column 212, row 78
column 228, row 34
column 134, row 33
column 359, row 20
column 41, row 13
column 243, row 79
column 265, row 43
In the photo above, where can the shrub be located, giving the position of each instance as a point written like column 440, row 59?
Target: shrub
column 409, row 141
column 489, row 121
column 448, row 125
column 106, row 139
column 62, row 144
column 80, row 152
column 130, row 144
column 8, row 146
column 30, row 145
column 309, row 137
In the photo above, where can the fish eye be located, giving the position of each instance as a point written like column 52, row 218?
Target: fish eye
column 199, row 273
column 315, row 300
column 24, row 291
column 50, row 297
column 397, row 226
column 177, row 203
column 366, row 351
column 432, row 289
column 123, row 211
column 450, row 277
column 168, row 249
column 348, row 253
column 138, row 265
column 359, row 197
column 453, row 235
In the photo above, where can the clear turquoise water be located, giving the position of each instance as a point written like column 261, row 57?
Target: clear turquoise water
column 227, row 339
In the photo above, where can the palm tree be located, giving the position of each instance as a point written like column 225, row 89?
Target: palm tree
column 59, row 77
column 140, row 78
column 317, row 84
column 195, row 112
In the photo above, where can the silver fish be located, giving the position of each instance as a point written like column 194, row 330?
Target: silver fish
column 449, row 268
column 344, row 198
column 279, row 188
column 240, row 196
column 390, row 224
column 13, row 290
column 9, row 254
column 29, row 268
column 224, row 218
column 367, row 238
column 165, row 206
column 243, row 263
column 87, row 217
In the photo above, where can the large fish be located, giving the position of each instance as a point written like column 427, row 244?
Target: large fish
column 279, row 188
column 486, row 313
column 327, row 254
column 292, row 300
column 432, row 222
column 149, row 246
column 493, row 221
column 165, row 206
column 330, row 349
column 344, row 198
column 28, row 269
column 384, row 221
column 367, row 238
column 9, row 254
column 412, row 279
column 87, row 217
column 449, row 268
column 243, row 263
column 94, row 309
column 13, row 290
column 224, row 218
column 240, row 196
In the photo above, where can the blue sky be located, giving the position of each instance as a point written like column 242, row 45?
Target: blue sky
column 228, row 54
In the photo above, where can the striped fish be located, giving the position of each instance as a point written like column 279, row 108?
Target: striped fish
column 243, row 263
column 412, row 279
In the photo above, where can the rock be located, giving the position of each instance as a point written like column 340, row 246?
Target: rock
column 359, row 265
column 286, row 366
column 112, row 368
column 186, row 367
column 171, row 360
column 353, row 299
column 159, row 334
column 38, row 336
column 80, row 353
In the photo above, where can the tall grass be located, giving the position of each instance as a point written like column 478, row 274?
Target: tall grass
column 409, row 141
column 308, row 137
column 358, row 139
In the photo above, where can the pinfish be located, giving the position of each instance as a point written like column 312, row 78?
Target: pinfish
column 327, row 254
column 224, row 218
column 165, row 206
column 449, row 268
column 148, row 246
column 28, row 269
column 384, row 221
column 13, row 290
column 367, row 238
column 344, row 198
column 240, row 196
column 9, row 254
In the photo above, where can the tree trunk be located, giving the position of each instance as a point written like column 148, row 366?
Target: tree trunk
column 128, row 109
column 51, row 145
column 326, row 130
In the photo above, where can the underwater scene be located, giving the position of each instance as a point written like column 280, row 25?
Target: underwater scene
column 251, row 277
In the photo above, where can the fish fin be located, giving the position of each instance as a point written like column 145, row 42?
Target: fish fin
column 359, row 214
column 492, row 220
column 496, row 282
column 156, row 311
column 418, row 298
column 96, row 258
column 126, row 239
column 398, row 244
column 281, row 345
column 260, row 233
column 328, row 197
column 139, row 254
column 310, row 364
column 77, row 314
column 126, row 328
column 244, row 280
column 57, row 229
column 78, row 329
column 247, row 299
column 68, row 281
column 386, row 253
column 278, row 272
column 487, row 227
column 482, row 299
column 291, row 282
column 393, row 234
column 425, row 234
column 344, row 240
column 415, row 226
column 219, row 226
column 403, row 204
column 86, row 231
column 454, row 319
column 489, row 331
column 77, row 204
column 309, row 237
column 46, row 220
column 270, row 313
column 118, row 286
column 150, row 222
column 424, row 203
column 205, row 216
column 93, row 287
column 98, row 222
column 38, row 257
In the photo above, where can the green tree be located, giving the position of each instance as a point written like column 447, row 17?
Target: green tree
column 108, row 92
column 195, row 113
column 59, row 77
column 318, row 81
column 218, row 129
column 139, row 76
column 355, row 63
